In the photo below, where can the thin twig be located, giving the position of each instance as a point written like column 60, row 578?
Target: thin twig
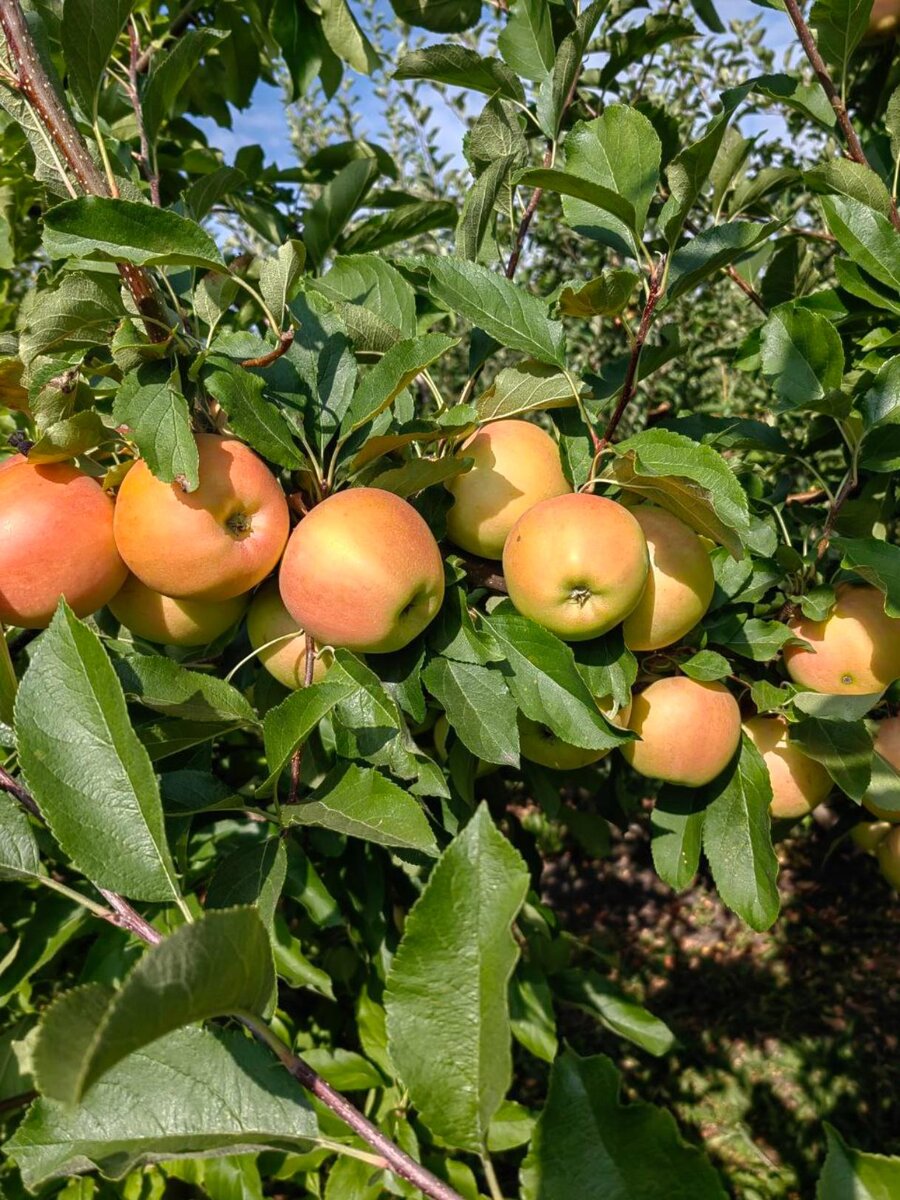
column 629, row 388
column 848, row 487
column 35, row 85
column 178, row 26
column 285, row 341
column 817, row 62
column 134, row 92
column 125, row 917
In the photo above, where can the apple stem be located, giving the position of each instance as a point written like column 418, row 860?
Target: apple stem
column 125, row 917
column 817, row 62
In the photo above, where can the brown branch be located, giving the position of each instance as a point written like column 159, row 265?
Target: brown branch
column 134, row 92
column 629, row 388
column 285, row 341
column 817, row 62
column 848, row 487
column 125, row 917
column 38, row 89
column 481, row 572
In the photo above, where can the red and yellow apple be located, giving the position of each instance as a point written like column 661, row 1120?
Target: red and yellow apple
column 689, row 731
column 888, row 853
column 278, row 639
column 210, row 544
column 516, row 466
column 855, row 650
column 539, row 744
column 887, row 744
column 884, row 19
column 362, row 570
column 56, row 539
column 576, row 564
column 799, row 783
column 680, row 584
column 172, row 622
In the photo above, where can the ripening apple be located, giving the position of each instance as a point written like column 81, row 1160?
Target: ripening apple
column 576, row 564
column 867, row 835
column 799, row 783
column 689, row 731
column 210, row 544
column 680, row 584
column 171, row 622
column 516, row 465
column 855, row 650
column 362, row 570
column 887, row 744
column 884, row 19
column 278, row 639
column 539, row 744
column 56, row 539
column 889, row 856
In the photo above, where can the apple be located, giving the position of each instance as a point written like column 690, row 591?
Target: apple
column 680, row 584
column 516, row 466
column 362, row 570
column 269, row 621
column 576, row 564
column 855, row 650
column 56, row 539
column 210, row 544
column 689, row 731
column 868, row 834
column 884, row 19
column 889, row 856
column 887, row 744
column 171, row 622
column 539, row 744
column 799, row 783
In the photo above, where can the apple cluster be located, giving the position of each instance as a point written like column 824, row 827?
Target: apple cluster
column 362, row 570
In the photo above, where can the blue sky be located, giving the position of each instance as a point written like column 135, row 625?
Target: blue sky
column 264, row 122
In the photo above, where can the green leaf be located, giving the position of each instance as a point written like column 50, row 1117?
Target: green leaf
column 590, row 1145
column 605, row 296
column 98, row 227
column 194, row 1093
column 280, row 276
column 80, row 311
column 345, row 37
column 19, row 855
column 89, row 31
column 711, row 250
column 751, row 637
column 856, row 181
column 446, row 995
column 83, row 757
column 479, row 706
column 542, row 676
column 254, row 419
column 150, row 405
column 171, row 71
column 706, row 665
column 360, row 802
column 868, row 237
column 506, row 312
column 288, row 725
column 477, row 214
column 840, row 26
column 844, row 748
column 367, row 281
column 620, row 151
column 555, row 91
column 440, row 16
column 531, row 1016
column 676, row 825
column 336, row 204
column 68, row 438
column 737, row 839
column 527, row 386
column 850, row 1174
column 165, row 686
column 399, row 224
column 526, row 41
column 392, row 374
column 694, row 482
column 875, row 561
column 625, row 1017
column 566, row 183
column 420, row 473
column 252, row 875
column 217, row 966
column 689, row 171
column 802, row 356
column 460, row 67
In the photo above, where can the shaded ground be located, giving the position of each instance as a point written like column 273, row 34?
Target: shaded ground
column 778, row 1032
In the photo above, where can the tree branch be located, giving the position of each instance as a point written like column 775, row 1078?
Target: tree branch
column 178, row 26
column 481, row 571
column 37, row 88
column 125, row 917
column 817, row 62
column 134, row 92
